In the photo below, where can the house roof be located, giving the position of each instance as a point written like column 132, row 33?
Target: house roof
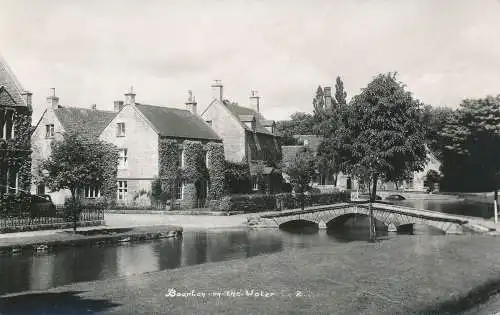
column 247, row 118
column 179, row 123
column 267, row 123
column 240, row 111
column 90, row 121
column 9, row 81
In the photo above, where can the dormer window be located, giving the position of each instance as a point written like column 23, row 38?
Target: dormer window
column 120, row 129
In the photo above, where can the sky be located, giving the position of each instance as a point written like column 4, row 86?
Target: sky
column 92, row 51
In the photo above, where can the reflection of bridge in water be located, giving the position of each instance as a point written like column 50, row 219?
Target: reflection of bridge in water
column 395, row 218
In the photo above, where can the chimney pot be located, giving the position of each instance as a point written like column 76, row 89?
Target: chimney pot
column 217, row 90
column 53, row 100
column 93, row 107
column 28, row 98
column 255, row 101
column 191, row 103
column 130, row 97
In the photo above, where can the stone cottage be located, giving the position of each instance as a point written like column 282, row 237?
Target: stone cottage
column 138, row 130
column 54, row 122
column 15, row 131
column 247, row 135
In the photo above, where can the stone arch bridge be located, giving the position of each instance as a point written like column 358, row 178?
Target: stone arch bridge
column 394, row 217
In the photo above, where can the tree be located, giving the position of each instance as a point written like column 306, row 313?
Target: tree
column 434, row 119
column 340, row 94
column 431, row 179
column 319, row 102
column 328, row 160
column 300, row 171
column 472, row 150
column 299, row 124
column 77, row 162
column 382, row 134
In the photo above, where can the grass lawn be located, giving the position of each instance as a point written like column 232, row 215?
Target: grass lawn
column 398, row 276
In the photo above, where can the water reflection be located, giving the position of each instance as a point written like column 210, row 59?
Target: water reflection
column 41, row 271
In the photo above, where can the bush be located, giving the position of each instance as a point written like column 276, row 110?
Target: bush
column 260, row 203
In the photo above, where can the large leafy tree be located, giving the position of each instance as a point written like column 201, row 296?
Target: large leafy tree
column 340, row 93
column 472, row 151
column 76, row 162
column 300, row 170
column 383, row 137
column 434, row 120
column 299, row 124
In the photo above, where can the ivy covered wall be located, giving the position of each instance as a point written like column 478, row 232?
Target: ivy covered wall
column 216, row 166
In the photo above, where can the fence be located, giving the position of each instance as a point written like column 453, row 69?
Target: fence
column 29, row 220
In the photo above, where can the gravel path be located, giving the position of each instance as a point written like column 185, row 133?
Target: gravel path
column 405, row 275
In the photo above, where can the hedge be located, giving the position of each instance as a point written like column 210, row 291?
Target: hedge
column 260, row 202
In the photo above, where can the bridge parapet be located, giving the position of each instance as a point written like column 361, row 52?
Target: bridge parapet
column 392, row 216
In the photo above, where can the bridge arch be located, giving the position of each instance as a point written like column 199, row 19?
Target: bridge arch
column 299, row 224
column 342, row 219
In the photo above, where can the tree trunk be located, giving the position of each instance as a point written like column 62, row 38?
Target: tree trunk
column 373, row 232
column 73, row 209
column 335, row 178
column 302, row 197
column 495, row 200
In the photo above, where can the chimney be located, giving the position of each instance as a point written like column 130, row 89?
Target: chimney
column 118, row 106
column 93, row 107
column 27, row 97
column 255, row 101
column 130, row 97
column 191, row 103
column 217, row 90
column 53, row 100
column 328, row 96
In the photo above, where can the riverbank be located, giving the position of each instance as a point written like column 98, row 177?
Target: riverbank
column 48, row 240
column 404, row 275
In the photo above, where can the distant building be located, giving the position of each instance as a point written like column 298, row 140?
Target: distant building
column 136, row 129
column 15, row 131
column 54, row 122
column 247, row 136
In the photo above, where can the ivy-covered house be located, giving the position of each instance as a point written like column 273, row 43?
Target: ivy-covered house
column 248, row 137
column 54, row 122
column 174, row 145
column 15, row 128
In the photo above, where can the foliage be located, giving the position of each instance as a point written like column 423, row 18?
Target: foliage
column 170, row 172
column 261, row 202
column 79, row 161
column 381, row 132
column 431, row 178
column 216, row 164
column 194, row 162
column 299, row 124
column 434, row 120
column 157, row 196
column 328, row 159
column 236, row 178
column 471, row 156
column 300, row 170
column 340, row 93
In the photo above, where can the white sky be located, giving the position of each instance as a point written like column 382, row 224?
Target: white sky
column 91, row 51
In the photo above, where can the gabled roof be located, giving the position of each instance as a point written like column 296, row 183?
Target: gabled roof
column 90, row 121
column 178, row 123
column 240, row 111
column 267, row 123
column 9, row 81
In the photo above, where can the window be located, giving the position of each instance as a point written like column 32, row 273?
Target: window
column 209, row 122
column 49, row 131
column 9, row 125
column 123, row 158
column 12, row 181
column 122, row 190
column 182, row 158
column 40, row 189
column 92, row 192
column 179, row 190
column 306, row 142
column 255, row 183
column 206, row 159
column 120, row 129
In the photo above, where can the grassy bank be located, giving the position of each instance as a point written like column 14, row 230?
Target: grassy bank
column 399, row 276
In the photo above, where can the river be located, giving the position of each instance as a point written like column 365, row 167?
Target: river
column 42, row 271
